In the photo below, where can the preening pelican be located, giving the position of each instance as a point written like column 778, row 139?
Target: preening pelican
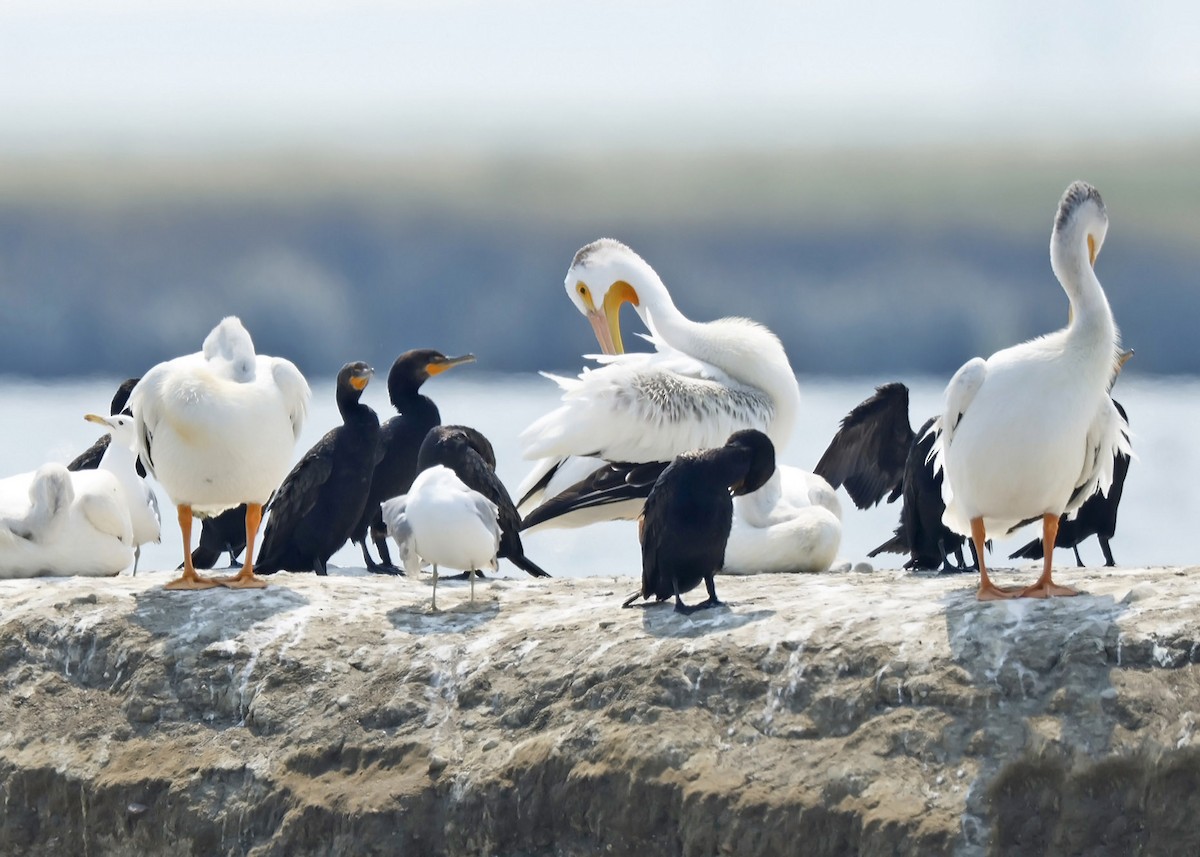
column 444, row 523
column 1031, row 432
column 321, row 499
column 217, row 429
column 120, row 460
column 704, row 381
column 689, row 513
column 55, row 522
column 399, row 442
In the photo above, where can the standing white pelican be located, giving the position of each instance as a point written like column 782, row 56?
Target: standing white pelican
column 55, row 522
column 443, row 522
column 120, row 460
column 1031, row 432
column 216, row 429
column 704, row 381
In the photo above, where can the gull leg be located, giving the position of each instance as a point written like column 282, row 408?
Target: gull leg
column 433, row 605
column 471, row 572
column 1045, row 587
column 988, row 591
column 137, row 556
column 189, row 579
column 246, row 579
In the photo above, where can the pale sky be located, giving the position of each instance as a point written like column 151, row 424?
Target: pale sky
column 156, row 75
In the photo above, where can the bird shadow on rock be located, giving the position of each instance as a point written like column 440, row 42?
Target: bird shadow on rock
column 660, row 620
column 1043, row 668
column 457, row 619
column 199, row 618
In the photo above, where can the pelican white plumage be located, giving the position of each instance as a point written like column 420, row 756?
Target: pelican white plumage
column 217, row 429
column 55, row 522
column 120, row 460
column 443, row 522
column 703, row 382
column 1031, row 432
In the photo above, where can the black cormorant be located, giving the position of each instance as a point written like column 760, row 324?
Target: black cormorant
column 687, row 517
column 321, row 499
column 876, row 452
column 399, row 441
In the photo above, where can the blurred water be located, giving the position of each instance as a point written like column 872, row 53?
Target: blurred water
column 44, row 422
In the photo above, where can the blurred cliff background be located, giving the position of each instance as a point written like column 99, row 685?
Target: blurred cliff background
column 876, row 182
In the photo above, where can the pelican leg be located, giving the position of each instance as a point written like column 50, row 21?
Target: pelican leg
column 246, row 579
column 1045, row 587
column 189, row 579
column 988, row 591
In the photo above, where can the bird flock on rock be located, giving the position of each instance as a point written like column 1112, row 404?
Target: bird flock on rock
column 683, row 438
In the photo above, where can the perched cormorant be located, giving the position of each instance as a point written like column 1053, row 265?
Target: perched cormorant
column 1097, row 516
column 688, row 515
column 216, row 429
column 469, row 454
column 876, row 453
column 443, row 522
column 321, row 500
column 1031, row 432
column 89, row 459
column 399, row 441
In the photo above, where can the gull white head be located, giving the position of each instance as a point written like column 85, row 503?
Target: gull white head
column 603, row 276
column 1079, row 229
column 119, row 426
column 230, row 342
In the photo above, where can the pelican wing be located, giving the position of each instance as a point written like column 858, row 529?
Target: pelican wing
column 960, row 392
column 1107, row 438
column 295, row 390
column 646, row 407
column 612, row 483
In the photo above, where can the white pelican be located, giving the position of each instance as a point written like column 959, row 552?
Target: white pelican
column 54, row 522
column 1031, row 432
column 443, row 522
column 704, row 381
column 120, row 460
column 216, row 429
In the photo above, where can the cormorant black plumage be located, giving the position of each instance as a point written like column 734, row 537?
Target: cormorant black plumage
column 399, row 442
column 876, row 453
column 321, row 500
column 470, row 455
column 89, row 459
column 686, row 521
column 1096, row 517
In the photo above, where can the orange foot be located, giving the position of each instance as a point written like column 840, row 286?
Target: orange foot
column 1048, row 590
column 193, row 582
column 244, row 579
column 992, row 592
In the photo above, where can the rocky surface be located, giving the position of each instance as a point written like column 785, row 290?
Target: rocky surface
column 848, row 713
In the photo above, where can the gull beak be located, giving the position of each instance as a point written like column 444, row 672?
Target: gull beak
column 96, row 418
